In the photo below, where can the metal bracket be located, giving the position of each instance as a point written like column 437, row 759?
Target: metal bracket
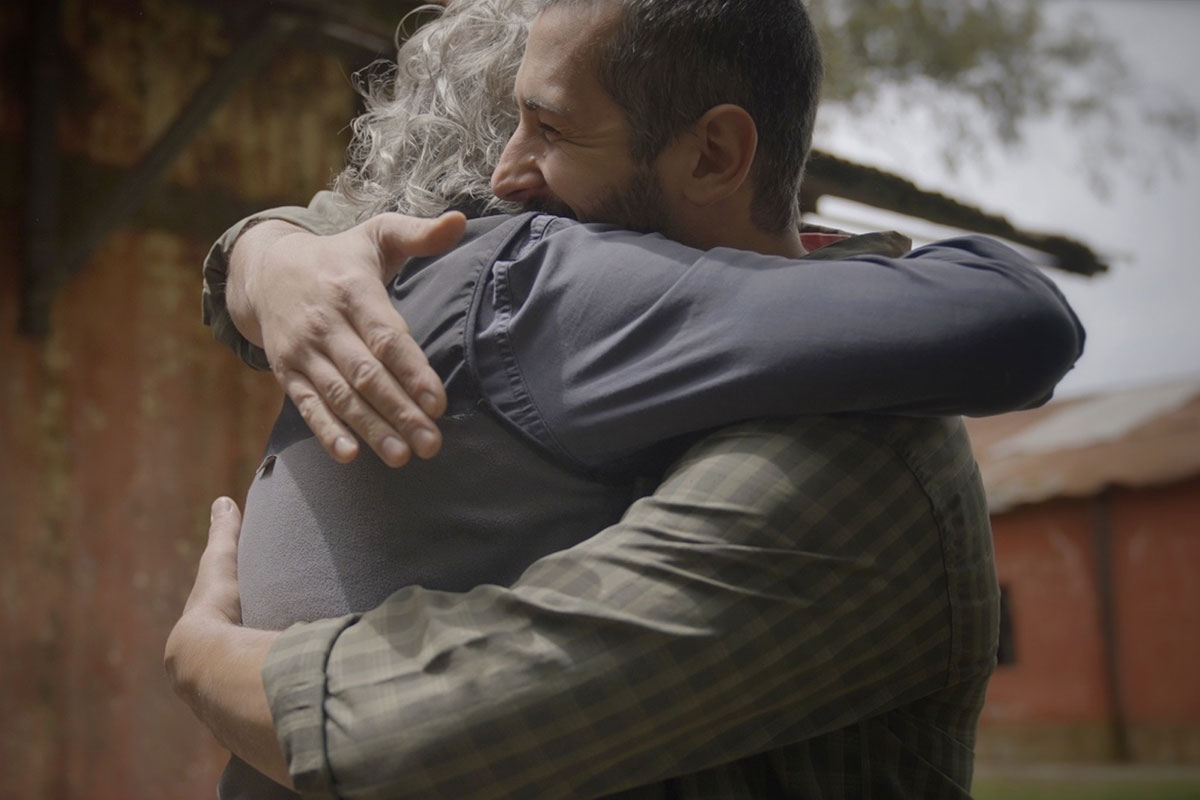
column 49, row 263
column 42, row 209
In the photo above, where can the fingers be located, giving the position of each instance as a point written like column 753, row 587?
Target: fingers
column 399, row 236
column 362, row 369
column 387, row 339
column 225, row 519
column 335, row 438
column 376, row 397
column 215, row 592
column 339, row 385
column 224, row 528
column 324, row 397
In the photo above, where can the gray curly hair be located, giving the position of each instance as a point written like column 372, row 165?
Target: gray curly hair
column 437, row 120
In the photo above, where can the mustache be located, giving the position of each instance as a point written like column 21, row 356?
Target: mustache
column 549, row 205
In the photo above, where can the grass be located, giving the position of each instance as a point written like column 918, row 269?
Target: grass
column 1032, row 789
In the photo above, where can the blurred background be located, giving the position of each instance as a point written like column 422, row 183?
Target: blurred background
column 132, row 132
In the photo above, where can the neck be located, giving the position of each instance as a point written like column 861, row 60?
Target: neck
column 744, row 236
column 786, row 243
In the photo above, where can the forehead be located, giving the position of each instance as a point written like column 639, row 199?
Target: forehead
column 558, row 69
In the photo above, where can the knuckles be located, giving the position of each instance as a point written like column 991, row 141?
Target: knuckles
column 315, row 413
column 339, row 395
column 386, row 343
column 314, row 324
column 364, row 375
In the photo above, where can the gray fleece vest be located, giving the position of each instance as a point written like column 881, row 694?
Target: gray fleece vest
column 321, row 539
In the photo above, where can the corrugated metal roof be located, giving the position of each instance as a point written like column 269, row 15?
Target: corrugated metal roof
column 1143, row 436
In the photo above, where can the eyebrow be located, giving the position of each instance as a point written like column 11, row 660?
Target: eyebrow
column 531, row 104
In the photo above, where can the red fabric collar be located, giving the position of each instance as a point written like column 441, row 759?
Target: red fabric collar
column 815, row 241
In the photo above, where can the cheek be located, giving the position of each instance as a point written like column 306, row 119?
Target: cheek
column 563, row 176
column 578, row 179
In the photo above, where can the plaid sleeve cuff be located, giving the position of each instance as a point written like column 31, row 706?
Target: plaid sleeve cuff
column 294, row 679
column 213, row 307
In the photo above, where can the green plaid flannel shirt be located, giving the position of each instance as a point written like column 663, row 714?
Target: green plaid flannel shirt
column 804, row 608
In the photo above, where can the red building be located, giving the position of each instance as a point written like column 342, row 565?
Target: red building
column 1096, row 515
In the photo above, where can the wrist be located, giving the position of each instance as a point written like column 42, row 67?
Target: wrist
column 247, row 278
column 186, row 648
column 215, row 666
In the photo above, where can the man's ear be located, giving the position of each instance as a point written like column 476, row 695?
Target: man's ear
column 724, row 143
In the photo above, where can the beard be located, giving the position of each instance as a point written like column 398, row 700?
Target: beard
column 549, row 205
column 639, row 205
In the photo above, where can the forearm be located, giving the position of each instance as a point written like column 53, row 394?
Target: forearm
column 648, row 339
column 711, row 624
column 216, row 669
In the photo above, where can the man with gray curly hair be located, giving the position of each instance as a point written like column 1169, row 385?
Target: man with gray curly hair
column 435, row 125
column 437, row 120
column 804, row 607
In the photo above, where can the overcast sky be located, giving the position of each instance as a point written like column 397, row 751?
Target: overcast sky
column 1143, row 317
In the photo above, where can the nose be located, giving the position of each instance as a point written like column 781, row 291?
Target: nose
column 518, row 177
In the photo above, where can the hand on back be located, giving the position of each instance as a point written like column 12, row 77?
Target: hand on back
column 319, row 307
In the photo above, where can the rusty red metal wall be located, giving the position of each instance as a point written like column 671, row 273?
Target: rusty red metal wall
column 1060, row 700
column 111, row 454
column 118, row 429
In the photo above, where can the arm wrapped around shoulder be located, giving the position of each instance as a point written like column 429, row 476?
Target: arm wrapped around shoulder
column 1025, row 337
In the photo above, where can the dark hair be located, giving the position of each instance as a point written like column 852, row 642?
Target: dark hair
column 667, row 62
